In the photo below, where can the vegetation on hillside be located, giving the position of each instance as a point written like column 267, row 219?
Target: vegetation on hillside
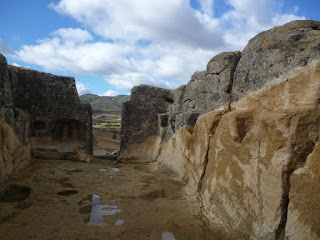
column 104, row 104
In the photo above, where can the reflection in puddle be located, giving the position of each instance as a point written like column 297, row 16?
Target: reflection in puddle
column 102, row 170
column 95, row 198
column 119, row 222
column 115, row 169
column 168, row 236
column 98, row 211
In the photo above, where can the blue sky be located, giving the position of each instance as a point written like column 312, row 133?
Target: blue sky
column 110, row 46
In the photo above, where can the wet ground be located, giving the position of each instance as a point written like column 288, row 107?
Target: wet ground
column 104, row 200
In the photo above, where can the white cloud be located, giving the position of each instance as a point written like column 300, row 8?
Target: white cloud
column 207, row 6
column 73, row 36
column 122, row 61
column 177, row 40
column 167, row 20
column 111, row 93
column 82, row 88
column 129, row 80
column 16, row 65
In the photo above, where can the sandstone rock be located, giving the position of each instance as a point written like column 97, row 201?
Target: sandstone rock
column 15, row 152
column 304, row 209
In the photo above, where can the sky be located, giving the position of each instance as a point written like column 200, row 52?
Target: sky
column 109, row 46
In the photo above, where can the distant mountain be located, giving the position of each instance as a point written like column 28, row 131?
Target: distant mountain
column 103, row 104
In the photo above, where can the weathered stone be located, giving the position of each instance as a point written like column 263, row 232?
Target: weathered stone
column 246, row 159
column 61, row 125
column 140, row 114
column 40, row 116
column 275, row 52
column 15, row 152
column 304, row 208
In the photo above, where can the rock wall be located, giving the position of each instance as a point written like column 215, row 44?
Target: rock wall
column 40, row 116
column 244, row 135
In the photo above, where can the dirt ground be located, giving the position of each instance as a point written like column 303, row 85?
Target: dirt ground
column 102, row 200
column 105, row 144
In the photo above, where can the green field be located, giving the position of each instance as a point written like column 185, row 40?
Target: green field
column 107, row 122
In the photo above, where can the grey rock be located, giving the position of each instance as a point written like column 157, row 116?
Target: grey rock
column 140, row 114
column 229, row 77
column 206, row 91
column 275, row 52
column 56, row 112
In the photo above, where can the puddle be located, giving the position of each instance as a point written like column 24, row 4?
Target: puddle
column 155, row 194
column 119, row 222
column 168, row 236
column 14, row 193
column 98, row 211
column 67, row 192
column 102, row 170
column 95, row 198
column 115, row 169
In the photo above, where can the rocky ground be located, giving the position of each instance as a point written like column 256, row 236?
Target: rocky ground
column 56, row 199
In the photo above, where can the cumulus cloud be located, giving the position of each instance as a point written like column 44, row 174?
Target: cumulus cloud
column 207, row 6
column 128, row 80
column 110, row 93
column 73, row 36
column 168, row 20
column 151, row 42
column 82, row 88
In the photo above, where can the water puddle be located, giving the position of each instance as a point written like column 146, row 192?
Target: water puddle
column 95, row 198
column 14, row 193
column 111, row 170
column 115, row 169
column 98, row 211
column 168, row 236
column 119, row 222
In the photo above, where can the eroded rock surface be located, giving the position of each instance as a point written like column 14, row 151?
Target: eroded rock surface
column 40, row 116
column 243, row 135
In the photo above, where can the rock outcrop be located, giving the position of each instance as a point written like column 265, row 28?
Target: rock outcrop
column 244, row 136
column 41, row 117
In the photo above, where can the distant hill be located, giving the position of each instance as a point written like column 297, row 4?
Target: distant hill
column 103, row 104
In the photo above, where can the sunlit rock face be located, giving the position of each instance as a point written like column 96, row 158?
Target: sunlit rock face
column 40, row 116
column 250, row 156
